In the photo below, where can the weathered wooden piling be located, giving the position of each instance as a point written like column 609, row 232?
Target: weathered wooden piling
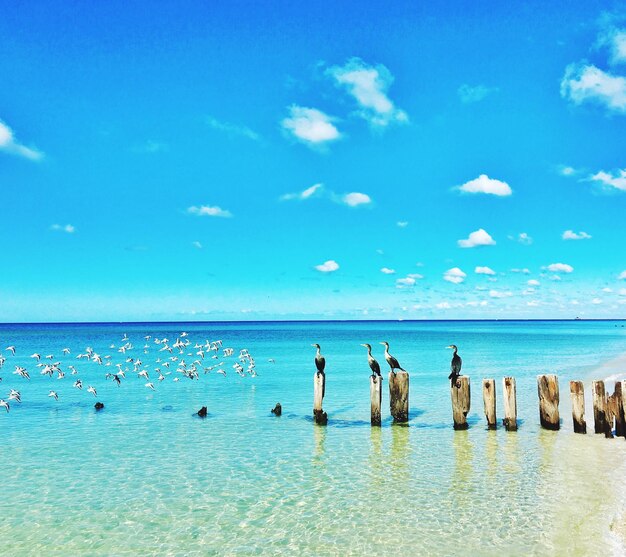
column 399, row 396
column 577, row 393
column 510, row 403
column 460, row 394
column 376, row 398
column 599, row 407
column 489, row 398
column 548, row 390
column 620, row 421
column 319, row 388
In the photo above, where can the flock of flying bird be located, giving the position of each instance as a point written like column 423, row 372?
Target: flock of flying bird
column 170, row 359
column 455, row 364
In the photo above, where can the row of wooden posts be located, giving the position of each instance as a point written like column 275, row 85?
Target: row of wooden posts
column 608, row 410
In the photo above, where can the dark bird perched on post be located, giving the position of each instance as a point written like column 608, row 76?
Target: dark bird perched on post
column 455, row 365
column 393, row 363
column 320, row 361
column 372, row 362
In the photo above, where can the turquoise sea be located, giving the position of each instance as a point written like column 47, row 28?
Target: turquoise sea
column 145, row 476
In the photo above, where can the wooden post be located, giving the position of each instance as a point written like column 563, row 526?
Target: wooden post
column 460, row 394
column 489, row 398
column 548, row 390
column 399, row 396
column 510, row 404
column 620, row 425
column 599, row 406
column 319, row 388
column 577, row 392
column 376, row 398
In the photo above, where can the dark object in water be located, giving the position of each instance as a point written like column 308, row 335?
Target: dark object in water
column 320, row 417
column 98, row 405
column 202, row 412
column 277, row 410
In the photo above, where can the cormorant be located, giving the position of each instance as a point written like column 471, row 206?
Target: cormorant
column 372, row 362
column 320, row 361
column 393, row 363
column 455, row 365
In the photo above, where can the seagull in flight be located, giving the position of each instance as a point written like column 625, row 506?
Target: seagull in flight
column 54, row 395
column 5, row 404
column 91, row 390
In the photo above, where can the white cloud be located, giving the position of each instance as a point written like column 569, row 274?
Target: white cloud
column 311, row 126
column 454, row 275
column 565, row 170
column 232, row 130
column 208, row 211
column 484, row 271
column 368, row 85
column 571, row 235
column 523, row 271
column 522, row 238
column 402, row 224
column 587, row 83
column 533, row 282
column 472, row 94
column 560, row 268
column 415, row 276
column 614, row 180
column 607, row 289
column 596, row 301
column 615, row 39
column 10, row 145
column 622, row 291
column 305, row 194
column 484, row 184
column 477, row 238
column 533, row 303
column 327, row 267
column 443, row 305
column 196, row 244
column 406, row 281
column 387, row 271
column 355, row 198
column 70, row 229
column 500, row 294
column 622, row 276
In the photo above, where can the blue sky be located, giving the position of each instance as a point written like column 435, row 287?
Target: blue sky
column 330, row 160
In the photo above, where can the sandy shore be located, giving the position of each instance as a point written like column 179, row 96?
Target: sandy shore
column 613, row 370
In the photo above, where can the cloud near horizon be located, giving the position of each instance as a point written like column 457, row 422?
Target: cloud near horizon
column 571, row 235
column 477, row 238
column 10, row 145
column 560, row 268
column 368, row 85
column 329, row 266
column 484, row 271
column 454, row 275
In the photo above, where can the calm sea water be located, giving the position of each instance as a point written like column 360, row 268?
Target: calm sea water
column 146, row 476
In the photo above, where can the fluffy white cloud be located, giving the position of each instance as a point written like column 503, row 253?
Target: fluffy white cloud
column 522, row 238
column 484, row 271
column 614, row 180
column 387, row 271
column 622, row 276
column 208, row 211
column 484, row 184
column 477, row 238
column 305, row 194
column 232, row 130
column 571, row 235
column 415, row 276
column 587, row 83
column 355, row 198
column 406, row 281
column 615, row 39
column 500, row 294
column 560, row 268
column 443, row 305
column 472, row 94
column 327, row 267
column 454, row 275
column 10, row 145
column 70, row 229
column 533, row 282
column 311, row 126
column 368, row 85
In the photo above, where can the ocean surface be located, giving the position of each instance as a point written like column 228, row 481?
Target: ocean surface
column 145, row 476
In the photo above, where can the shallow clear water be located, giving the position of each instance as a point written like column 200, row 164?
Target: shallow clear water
column 146, row 476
